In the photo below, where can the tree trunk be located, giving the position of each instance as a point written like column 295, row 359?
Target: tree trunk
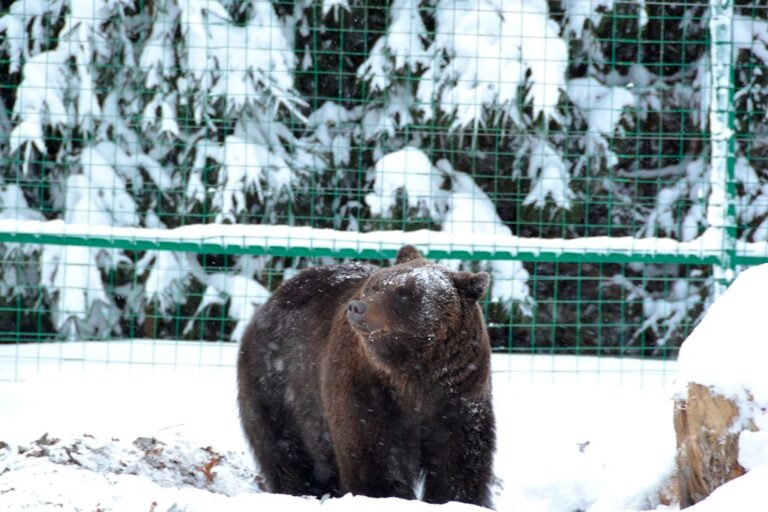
column 707, row 445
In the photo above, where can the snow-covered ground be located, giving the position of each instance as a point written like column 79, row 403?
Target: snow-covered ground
column 124, row 425
column 152, row 426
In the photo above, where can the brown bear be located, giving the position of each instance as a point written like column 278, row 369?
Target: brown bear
column 359, row 379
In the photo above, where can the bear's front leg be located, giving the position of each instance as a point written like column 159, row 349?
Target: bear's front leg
column 376, row 447
column 458, row 447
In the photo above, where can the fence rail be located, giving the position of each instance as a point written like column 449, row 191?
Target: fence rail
column 282, row 240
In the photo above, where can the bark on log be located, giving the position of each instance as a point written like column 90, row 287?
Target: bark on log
column 707, row 445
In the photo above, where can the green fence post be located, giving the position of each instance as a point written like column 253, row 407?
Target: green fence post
column 721, row 214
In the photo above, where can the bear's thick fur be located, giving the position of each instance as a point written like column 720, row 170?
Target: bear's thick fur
column 354, row 378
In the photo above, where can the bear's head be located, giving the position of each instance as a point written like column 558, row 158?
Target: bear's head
column 412, row 306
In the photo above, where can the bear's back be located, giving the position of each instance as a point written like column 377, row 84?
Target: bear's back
column 294, row 324
column 322, row 286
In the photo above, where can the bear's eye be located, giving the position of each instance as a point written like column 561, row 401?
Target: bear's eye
column 404, row 293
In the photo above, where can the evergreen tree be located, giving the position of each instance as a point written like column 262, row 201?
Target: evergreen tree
column 566, row 118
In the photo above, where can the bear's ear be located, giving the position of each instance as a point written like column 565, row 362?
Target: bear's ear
column 407, row 253
column 471, row 286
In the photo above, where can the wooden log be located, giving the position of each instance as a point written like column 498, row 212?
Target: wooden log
column 707, row 443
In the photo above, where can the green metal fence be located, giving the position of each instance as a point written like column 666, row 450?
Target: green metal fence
column 168, row 163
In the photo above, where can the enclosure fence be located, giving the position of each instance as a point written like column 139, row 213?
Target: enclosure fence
column 169, row 163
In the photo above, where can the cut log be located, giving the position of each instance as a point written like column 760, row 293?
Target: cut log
column 707, row 443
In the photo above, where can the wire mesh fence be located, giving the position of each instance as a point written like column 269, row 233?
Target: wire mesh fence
column 168, row 163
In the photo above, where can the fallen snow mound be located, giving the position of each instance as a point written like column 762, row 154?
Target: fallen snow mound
column 729, row 348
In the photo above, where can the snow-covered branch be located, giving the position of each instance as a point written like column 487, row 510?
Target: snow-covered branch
column 483, row 55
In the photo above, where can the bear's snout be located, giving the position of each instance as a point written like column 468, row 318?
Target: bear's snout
column 365, row 317
column 357, row 308
column 356, row 315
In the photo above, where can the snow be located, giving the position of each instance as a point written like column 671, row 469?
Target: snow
column 757, row 249
column 403, row 40
column 434, row 285
column 139, row 421
column 432, row 278
column 728, row 349
column 579, row 11
column 399, row 48
column 225, row 67
column 171, row 272
column 694, row 188
column 13, row 204
column 549, row 177
column 750, row 33
column 39, row 98
column 601, row 104
column 102, row 187
column 753, row 447
column 722, row 28
column 246, row 237
column 409, row 170
column 335, row 6
column 748, row 493
column 166, row 280
column 244, row 295
column 753, row 204
column 471, row 210
column 484, row 51
column 602, row 108
column 152, row 425
column 394, row 113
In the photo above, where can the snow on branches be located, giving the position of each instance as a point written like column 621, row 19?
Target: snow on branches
column 462, row 208
column 81, row 91
column 485, row 55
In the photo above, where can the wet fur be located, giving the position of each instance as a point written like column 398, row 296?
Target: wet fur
column 329, row 411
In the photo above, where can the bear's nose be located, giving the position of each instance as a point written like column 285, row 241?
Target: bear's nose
column 357, row 307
